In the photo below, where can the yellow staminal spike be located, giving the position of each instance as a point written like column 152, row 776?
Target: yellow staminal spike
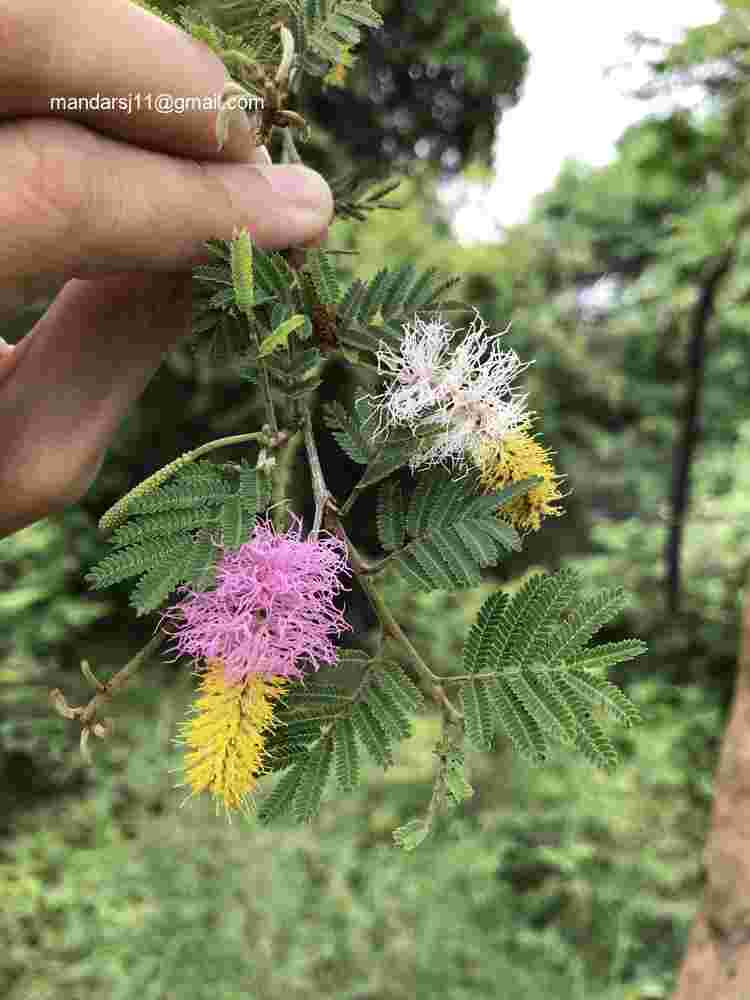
column 242, row 270
column 226, row 736
column 518, row 456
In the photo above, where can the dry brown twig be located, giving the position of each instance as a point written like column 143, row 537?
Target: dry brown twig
column 88, row 715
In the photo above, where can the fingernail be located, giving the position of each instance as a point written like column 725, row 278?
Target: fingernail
column 8, row 359
column 240, row 141
column 302, row 186
column 295, row 202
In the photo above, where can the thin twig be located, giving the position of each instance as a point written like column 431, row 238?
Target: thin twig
column 391, row 628
column 320, row 491
column 281, row 481
column 289, row 152
column 265, row 381
column 89, row 715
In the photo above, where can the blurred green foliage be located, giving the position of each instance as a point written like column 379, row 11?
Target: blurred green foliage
column 44, row 610
column 558, row 881
column 42, row 602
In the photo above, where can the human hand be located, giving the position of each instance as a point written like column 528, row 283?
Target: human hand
column 114, row 207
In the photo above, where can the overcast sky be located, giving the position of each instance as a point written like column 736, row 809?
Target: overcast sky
column 568, row 107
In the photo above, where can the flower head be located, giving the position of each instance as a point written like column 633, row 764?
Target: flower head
column 518, row 456
column 226, row 736
column 416, row 370
column 456, row 400
column 273, row 603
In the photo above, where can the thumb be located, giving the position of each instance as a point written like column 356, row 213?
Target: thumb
column 84, row 204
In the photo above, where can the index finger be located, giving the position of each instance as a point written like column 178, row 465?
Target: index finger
column 97, row 49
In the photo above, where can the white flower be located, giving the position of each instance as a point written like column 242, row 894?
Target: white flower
column 457, row 400
column 415, row 370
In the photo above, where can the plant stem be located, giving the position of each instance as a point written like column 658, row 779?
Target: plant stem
column 265, row 381
column 88, row 715
column 392, row 629
column 121, row 678
column 486, row 676
column 350, row 500
column 320, row 490
column 289, row 152
column 281, row 481
column 371, row 568
column 363, row 482
column 117, row 509
column 226, row 442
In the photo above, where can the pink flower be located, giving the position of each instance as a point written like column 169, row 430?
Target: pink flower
column 272, row 605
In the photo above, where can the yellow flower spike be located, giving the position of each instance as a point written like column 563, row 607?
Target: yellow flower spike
column 242, row 271
column 226, row 736
column 518, row 456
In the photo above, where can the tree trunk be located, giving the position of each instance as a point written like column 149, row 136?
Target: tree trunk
column 717, row 961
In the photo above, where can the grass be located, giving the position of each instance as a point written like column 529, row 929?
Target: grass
column 555, row 882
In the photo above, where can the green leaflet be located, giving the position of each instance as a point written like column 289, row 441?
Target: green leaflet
column 349, row 304
column 391, row 515
column 272, row 274
column 521, row 728
column 607, row 654
column 323, row 276
column 457, row 786
column 599, row 691
column 409, row 836
column 446, row 533
column 159, row 576
column 393, row 454
column 490, row 620
column 478, row 717
column 373, row 313
column 374, row 738
column 117, row 513
column 313, row 776
column 280, row 799
column 350, row 202
column 349, row 431
column 321, row 731
column 346, row 755
column 531, row 665
column 280, row 335
column 361, row 13
column 164, row 540
column 401, row 688
column 403, row 293
column 254, row 490
column 232, row 522
column 279, row 759
column 388, row 712
column 373, row 296
column 353, row 430
column 450, row 789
